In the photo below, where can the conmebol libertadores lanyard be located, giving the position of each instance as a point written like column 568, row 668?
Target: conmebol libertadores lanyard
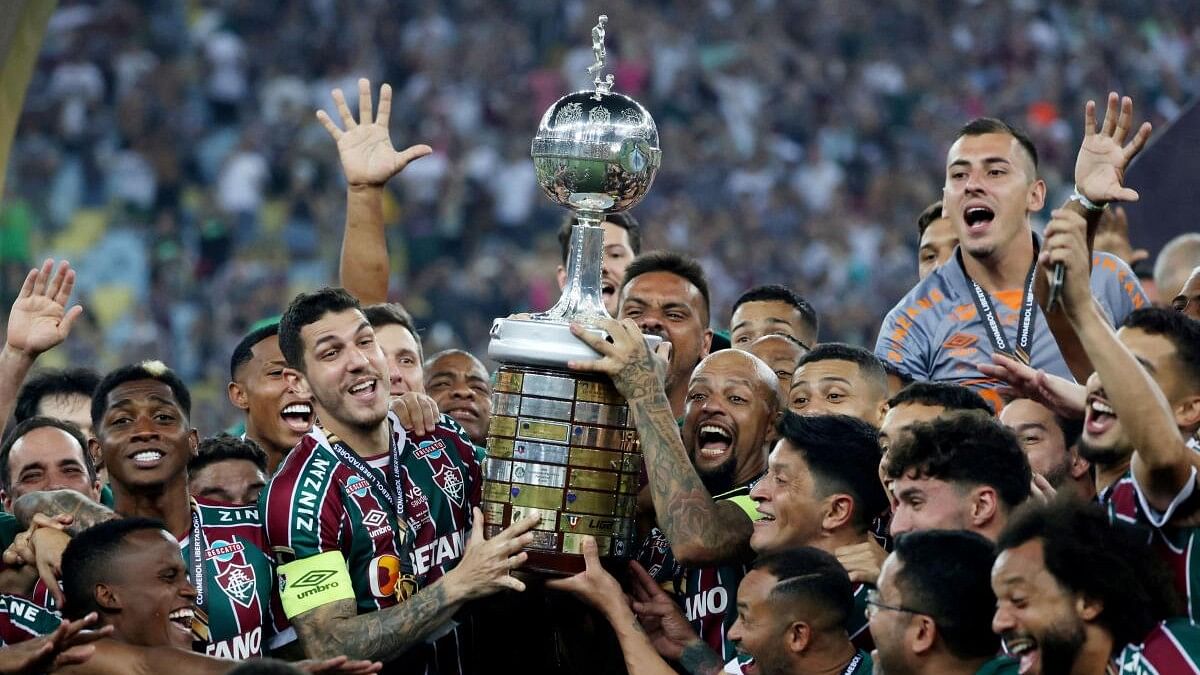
column 1019, row 350
column 351, row 458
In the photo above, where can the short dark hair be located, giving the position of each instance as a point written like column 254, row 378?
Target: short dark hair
column 964, row 448
column 38, row 423
column 842, row 452
column 949, row 396
column 623, row 220
column 947, row 575
column 679, row 264
column 1181, row 331
column 65, row 382
column 990, row 125
column 308, row 308
column 244, row 350
column 222, row 447
column 1103, row 560
column 868, row 364
column 89, row 560
column 393, row 314
column 812, row 576
column 930, row 214
column 146, row 370
column 780, row 293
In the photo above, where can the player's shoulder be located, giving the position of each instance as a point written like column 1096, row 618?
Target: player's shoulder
column 449, row 429
column 310, row 457
column 932, row 296
column 1174, row 642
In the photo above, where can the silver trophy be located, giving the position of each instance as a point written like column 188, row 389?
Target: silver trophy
column 561, row 443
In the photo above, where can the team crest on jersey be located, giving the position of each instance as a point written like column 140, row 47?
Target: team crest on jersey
column 357, row 485
column 238, row 583
column 448, row 477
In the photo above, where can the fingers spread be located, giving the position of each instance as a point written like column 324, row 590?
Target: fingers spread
column 364, row 101
column 323, row 118
column 339, row 99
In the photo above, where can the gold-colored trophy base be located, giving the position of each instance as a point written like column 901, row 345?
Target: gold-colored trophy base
column 561, row 445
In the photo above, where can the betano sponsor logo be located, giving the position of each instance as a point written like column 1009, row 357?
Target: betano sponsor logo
column 440, row 551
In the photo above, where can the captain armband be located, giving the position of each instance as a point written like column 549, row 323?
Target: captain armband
column 314, row 581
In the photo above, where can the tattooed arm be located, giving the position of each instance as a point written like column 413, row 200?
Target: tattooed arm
column 83, row 512
column 703, row 532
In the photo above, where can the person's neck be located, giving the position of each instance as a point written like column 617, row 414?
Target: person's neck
column 948, row 664
column 829, row 656
column 275, row 454
column 1108, row 474
column 1005, row 268
column 364, row 441
column 752, row 468
column 169, row 502
column 1095, row 654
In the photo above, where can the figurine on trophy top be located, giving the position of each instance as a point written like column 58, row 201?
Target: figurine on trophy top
column 602, row 85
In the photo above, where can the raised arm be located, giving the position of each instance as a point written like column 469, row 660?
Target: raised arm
column 702, row 532
column 38, row 321
column 82, row 511
column 1162, row 463
column 336, row 628
column 368, row 161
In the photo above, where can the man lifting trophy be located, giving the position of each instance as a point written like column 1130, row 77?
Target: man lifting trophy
column 561, row 444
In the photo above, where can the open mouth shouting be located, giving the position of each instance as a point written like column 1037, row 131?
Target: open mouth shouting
column 1025, row 649
column 297, row 416
column 364, row 390
column 714, row 442
column 182, row 618
column 1099, row 417
column 978, row 218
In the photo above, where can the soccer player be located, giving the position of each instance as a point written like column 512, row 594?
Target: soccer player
column 1187, row 301
column 782, row 353
column 728, row 424
column 229, row 470
column 44, row 453
column 960, row 471
column 937, row 239
column 462, row 389
column 666, row 294
column 622, row 242
column 932, row 613
column 277, row 416
column 334, row 511
column 1079, row 594
column 839, row 379
column 1049, row 442
column 772, row 310
column 128, row 573
column 982, row 301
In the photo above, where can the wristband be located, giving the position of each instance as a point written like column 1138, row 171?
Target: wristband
column 1077, row 196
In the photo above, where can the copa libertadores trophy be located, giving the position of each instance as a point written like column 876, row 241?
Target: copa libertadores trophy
column 561, row 443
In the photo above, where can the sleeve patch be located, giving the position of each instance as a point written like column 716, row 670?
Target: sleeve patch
column 314, row 581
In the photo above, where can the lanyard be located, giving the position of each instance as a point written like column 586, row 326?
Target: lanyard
column 991, row 323
column 854, row 664
column 394, row 497
column 197, row 557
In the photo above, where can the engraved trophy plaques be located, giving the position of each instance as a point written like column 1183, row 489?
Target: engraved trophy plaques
column 561, row 444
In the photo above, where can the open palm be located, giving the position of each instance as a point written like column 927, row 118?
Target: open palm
column 39, row 319
column 1104, row 156
column 365, row 147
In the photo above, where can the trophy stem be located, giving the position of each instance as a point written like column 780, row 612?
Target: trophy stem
column 582, row 299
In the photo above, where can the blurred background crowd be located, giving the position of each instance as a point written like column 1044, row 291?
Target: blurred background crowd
column 169, row 149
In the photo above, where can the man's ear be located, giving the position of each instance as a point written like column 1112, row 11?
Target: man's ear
column 297, row 382
column 561, row 273
column 1037, row 196
column 237, row 396
column 839, row 511
column 1187, row 413
column 1088, row 608
column 97, row 452
column 7, row 500
column 798, row 637
column 924, row 634
column 107, row 598
column 706, row 347
column 194, row 441
column 1077, row 466
column 985, row 505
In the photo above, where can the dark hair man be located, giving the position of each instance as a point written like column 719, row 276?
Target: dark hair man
column 839, row 379
column 932, row 613
column 622, row 241
column 957, row 472
column 782, row 353
column 772, row 310
column 957, row 317
column 462, row 388
column 1049, row 442
column 129, row 573
column 348, row 469
column 277, row 417
column 44, row 453
column 1079, row 594
column 922, row 402
column 666, row 294
column 937, row 239
column 229, row 470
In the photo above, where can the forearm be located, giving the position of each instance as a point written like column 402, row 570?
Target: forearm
column 699, row 659
column 1068, row 341
column 640, row 656
column 364, row 263
column 335, row 630
column 83, row 511
column 701, row 531
column 14, row 366
column 1161, row 463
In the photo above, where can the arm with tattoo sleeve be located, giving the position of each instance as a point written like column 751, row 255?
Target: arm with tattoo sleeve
column 337, row 628
column 83, row 512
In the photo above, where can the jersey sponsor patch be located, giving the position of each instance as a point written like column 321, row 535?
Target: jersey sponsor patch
column 318, row 580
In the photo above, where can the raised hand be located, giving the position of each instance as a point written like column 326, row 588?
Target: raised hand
column 862, row 561
column 1064, row 398
column 39, row 319
column 625, row 357
column 417, row 412
column 487, row 564
column 594, row 584
column 340, row 665
column 68, row 645
column 1066, row 243
column 659, row 615
column 1104, row 155
column 365, row 147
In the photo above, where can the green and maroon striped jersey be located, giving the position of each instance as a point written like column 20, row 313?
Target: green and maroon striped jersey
column 22, row 620
column 1173, row 648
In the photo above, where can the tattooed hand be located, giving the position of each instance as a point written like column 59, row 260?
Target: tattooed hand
column 625, row 357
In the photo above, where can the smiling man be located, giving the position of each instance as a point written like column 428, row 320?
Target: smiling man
column 277, row 416
column 43, row 453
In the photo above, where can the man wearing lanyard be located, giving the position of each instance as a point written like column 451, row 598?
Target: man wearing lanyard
column 982, row 301
column 334, row 512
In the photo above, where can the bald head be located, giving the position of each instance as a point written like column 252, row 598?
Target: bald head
column 747, row 366
column 1175, row 263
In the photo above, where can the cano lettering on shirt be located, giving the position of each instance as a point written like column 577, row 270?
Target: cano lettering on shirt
column 1172, row 647
column 243, row 616
column 935, row 331
column 318, row 504
column 22, row 619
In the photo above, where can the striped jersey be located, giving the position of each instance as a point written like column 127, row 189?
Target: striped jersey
column 861, row 664
column 1175, row 545
column 22, row 620
column 935, row 331
column 1172, row 648
column 708, row 595
column 240, row 617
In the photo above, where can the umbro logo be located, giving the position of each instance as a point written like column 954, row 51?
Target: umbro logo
column 960, row 341
column 313, row 578
column 374, row 518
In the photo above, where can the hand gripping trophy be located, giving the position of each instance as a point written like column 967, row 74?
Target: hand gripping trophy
column 561, row 444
